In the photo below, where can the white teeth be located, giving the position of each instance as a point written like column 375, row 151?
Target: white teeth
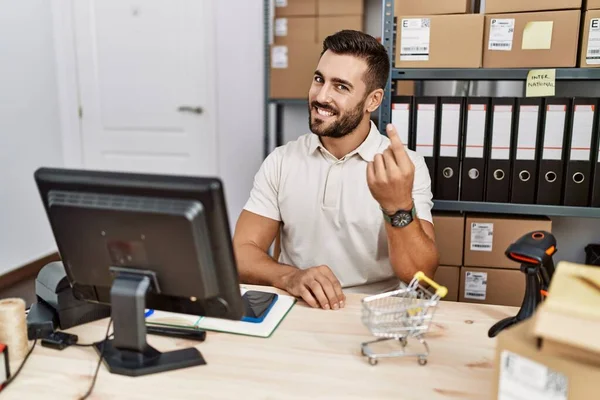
column 324, row 113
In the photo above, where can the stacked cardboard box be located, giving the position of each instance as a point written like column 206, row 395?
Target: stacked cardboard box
column 438, row 34
column 299, row 28
column 590, row 36
column 532, row 33
column 473, row 265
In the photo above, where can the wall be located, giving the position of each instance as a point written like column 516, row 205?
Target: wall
column 240, row 87
column 29, row 128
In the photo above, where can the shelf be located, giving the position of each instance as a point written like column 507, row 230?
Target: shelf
column 289, row 101
column 507, row 208
column 489, row 73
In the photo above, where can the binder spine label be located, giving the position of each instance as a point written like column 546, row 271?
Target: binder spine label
column 414, row 39
column 592, row 55
column 475, row 285
column 475, row 130
column 450, row 129
column 554, row 131
column 400, row 120
column 528, row 124
column 482, row 236
column 583, row 121
column 501, row 34
column 425, row 129
column 501, row 133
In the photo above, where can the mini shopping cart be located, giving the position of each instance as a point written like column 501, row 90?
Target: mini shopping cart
column 400, row 314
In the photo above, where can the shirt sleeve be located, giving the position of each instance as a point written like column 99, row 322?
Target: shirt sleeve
column 422, row 195
column 264, row 194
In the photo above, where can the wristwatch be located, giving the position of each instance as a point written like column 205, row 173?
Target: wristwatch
column 400, row 218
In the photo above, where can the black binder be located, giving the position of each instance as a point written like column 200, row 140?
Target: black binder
column 499, row 161
column 449, row 148
column 579, row 161
column 596, row 160
column 402, row 118
column 552, row 151
column 474, row 149
column 526, row 130
column 425, row 132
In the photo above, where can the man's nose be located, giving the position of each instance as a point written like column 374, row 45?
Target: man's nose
column 324, row 96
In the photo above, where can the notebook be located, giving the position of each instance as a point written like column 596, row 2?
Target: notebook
column 262, row 329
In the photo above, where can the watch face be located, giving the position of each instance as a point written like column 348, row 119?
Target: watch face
column 401, row 219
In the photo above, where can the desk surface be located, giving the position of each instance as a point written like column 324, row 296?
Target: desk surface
column 313, row 354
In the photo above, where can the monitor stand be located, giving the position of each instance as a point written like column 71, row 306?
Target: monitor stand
column 129, row 353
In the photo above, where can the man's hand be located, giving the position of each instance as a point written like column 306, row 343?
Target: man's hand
column 390, row 175
column 318, row 286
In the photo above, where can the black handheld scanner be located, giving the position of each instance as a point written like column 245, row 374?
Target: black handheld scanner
column 535, row 249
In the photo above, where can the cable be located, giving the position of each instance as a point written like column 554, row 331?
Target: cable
column 85, row 396
column 92, row 344
column 12, row 378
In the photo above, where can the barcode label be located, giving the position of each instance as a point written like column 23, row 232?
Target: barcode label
column 482, row 236
column 593, row 42
column 414, row 39
column 501, row 34
column 475, row 285
column 525, row 379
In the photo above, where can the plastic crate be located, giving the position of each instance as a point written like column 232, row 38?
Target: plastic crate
column 592, row 254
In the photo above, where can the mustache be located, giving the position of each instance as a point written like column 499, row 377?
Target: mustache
column 323, row 107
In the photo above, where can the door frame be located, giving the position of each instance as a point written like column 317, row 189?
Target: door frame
column 63, row 26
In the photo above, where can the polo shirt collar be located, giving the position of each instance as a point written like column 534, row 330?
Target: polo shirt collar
column 367, row 149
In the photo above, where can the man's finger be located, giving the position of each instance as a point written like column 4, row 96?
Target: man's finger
column 379, row 168
column 317, row 290
column 389, row 160
column 337, row 286
column 370, row 172
column 309, row 298
column 329, row 291
column 397, row 146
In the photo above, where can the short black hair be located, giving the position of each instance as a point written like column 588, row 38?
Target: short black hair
column 359, row 44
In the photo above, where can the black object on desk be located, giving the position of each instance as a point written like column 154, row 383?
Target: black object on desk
column 182, row 333
column 534, row 251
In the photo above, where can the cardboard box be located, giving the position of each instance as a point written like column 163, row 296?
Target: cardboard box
column 292, row 69
column 525, row 40
column 405, row 88
column 295, row 30
column 590, row 40
column 329, row 25
column 295, row 8
column 431, row 7
column 340, row 7
column 509, row 6
column 449, row 238
column 504, row 287
column 440, row 41
column 592, row 4
column 448, row 276
column 488, row 236
column 521, row 366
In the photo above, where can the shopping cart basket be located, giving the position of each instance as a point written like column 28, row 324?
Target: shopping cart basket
column 399, row 314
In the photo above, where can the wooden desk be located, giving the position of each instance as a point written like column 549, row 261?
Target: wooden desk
column 313, row 354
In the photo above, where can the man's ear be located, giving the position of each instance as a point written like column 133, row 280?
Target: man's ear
column 374, row 100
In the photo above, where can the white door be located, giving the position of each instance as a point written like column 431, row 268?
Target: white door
column 145, row 75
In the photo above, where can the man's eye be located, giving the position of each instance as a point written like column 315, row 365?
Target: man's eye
column 342, row 87
column 318, row 79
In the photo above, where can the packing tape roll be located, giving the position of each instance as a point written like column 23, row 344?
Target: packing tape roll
column 13, row 327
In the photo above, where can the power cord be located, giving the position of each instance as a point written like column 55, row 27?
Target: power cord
column 89, row 392
column 12, row 378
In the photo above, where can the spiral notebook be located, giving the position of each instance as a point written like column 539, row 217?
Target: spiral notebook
column 262, row 329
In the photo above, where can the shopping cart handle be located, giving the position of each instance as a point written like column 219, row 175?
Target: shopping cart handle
column 440, row 290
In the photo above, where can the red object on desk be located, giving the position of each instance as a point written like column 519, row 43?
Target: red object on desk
column 4, row 367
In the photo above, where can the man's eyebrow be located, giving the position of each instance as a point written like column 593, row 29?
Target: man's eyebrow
column 343, row 82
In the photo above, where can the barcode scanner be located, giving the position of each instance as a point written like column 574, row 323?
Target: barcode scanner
column 534, row 251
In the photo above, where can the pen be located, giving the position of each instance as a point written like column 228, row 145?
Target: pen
column 191, row 334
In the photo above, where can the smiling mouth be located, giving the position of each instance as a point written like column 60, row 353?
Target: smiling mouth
column 324, row 113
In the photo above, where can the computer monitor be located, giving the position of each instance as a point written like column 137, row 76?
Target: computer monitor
column 138, row 241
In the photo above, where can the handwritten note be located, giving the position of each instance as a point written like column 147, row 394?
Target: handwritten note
column 540, row 82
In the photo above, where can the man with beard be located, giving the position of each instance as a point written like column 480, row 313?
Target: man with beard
column 354, row 206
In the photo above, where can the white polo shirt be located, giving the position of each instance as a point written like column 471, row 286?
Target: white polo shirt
column 328, row 213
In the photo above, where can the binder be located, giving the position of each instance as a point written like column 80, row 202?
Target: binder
column 498, row 171
column 579, row 160
column 550, row 181
column 425, row 132
column 596, row 181
column 473, row 163
column 401, row 118
column 449, row 148
column 525, row 155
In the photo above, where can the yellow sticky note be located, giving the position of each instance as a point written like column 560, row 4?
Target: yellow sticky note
column 540, row 82
column 537, row 35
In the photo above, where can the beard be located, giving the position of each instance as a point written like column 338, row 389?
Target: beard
column 341, row 126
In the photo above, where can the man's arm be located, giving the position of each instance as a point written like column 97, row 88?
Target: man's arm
column 412, row 249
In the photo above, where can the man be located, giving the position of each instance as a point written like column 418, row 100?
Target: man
column 354, row 206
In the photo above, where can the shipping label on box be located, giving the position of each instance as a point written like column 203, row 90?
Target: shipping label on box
column 475, row 285
column 279, row 57
column 281, row 27
column 593, row 42
column 414, row 43
column 482, row 236
column 501, row 34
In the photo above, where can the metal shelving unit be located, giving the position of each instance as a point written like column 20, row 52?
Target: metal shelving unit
column 522, row 209
column 489, row 74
